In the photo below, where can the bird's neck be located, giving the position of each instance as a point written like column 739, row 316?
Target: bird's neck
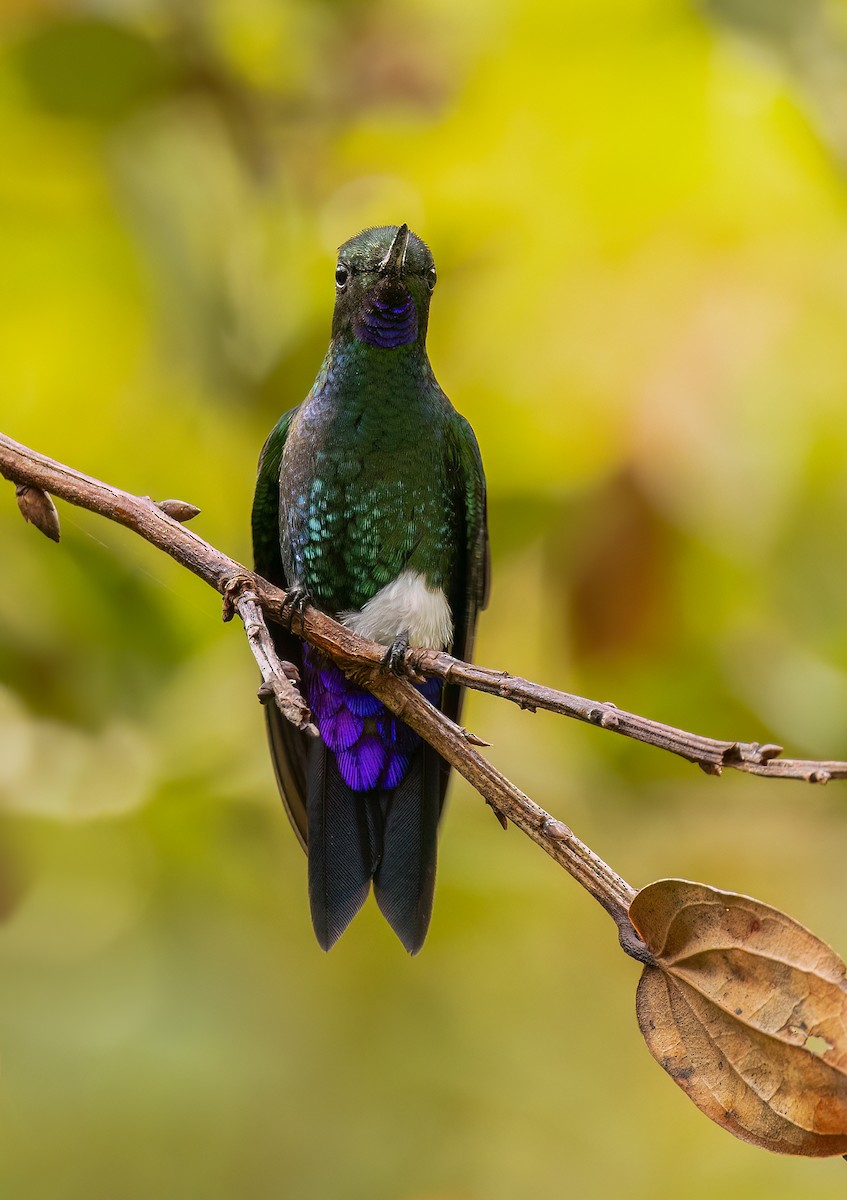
column 354, row 369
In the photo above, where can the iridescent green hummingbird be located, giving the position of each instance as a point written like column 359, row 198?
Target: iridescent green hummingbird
column 370, row 502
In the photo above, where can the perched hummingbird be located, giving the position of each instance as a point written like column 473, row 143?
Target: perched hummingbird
column 370, row 503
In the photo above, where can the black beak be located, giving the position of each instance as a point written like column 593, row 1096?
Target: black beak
column 395, row 260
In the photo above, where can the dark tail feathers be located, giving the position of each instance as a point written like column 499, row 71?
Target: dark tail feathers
column 390, row 837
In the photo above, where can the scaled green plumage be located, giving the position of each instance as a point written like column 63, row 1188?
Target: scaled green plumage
column 372, row 490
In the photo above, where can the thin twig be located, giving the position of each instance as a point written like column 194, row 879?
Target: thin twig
column 711, row 754
column 279, row 679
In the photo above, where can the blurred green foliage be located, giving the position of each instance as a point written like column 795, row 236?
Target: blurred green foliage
column 638, row 212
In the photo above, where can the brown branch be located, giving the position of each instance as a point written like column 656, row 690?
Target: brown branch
column 252, row 596
column 28, row 468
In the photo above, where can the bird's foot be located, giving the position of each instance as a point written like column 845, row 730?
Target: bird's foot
column 297, row 600
column 394, row 657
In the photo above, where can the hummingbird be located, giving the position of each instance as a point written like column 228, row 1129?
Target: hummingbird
column 370, row 503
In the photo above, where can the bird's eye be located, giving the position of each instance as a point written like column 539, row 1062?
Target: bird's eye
column 431, row 277
column 342, row 274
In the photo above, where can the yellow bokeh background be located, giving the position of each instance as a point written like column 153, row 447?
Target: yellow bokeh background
column 639, row 213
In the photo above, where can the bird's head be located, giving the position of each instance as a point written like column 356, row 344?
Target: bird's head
column 383, row 283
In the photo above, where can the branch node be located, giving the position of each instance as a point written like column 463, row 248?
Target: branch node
column 818, row 776
column 38, row 509
column 235, row 587
column 178, row 510
column 289, row 670
column 448, row 674
column 709, row 768
column 768, row 752
column 472, row 738
column 550, row 827
column 504, row 681
column 502, row 820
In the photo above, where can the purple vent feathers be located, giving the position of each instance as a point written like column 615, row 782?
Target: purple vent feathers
column 372, row 747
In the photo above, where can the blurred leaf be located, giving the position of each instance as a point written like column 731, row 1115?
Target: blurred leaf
column 614, row 569
column 747, row 1011
column 778, row 20
column 55, row 769
column 15, row 875
column 89, row 68
column 38, row 508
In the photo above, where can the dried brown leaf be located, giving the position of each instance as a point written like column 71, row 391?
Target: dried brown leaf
column 747, row 1011
column 38, row 508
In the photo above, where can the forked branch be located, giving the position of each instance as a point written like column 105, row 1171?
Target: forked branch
column 782, row 1017
column 27, row 468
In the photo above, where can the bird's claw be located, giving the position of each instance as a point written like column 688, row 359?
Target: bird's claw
column 394, row 657
column 297, row 600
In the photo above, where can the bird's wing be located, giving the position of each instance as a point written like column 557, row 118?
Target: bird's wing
column 289, row 746
column 405, row 876
column 469, row 593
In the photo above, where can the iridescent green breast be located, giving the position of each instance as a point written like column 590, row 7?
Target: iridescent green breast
column 364, row 487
